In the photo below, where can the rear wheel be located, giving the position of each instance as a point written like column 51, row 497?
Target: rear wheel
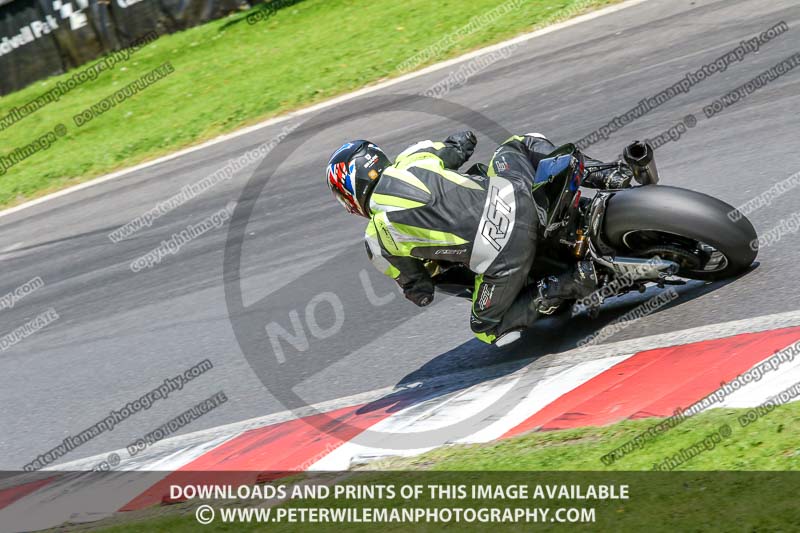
column 706, row 237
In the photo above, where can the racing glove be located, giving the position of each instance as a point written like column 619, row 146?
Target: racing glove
column 420, row 292
column 459, row 147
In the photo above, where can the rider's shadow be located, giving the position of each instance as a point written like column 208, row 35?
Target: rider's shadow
column 474, row 362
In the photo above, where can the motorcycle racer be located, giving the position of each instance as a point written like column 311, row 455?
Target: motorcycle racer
column 421, row 208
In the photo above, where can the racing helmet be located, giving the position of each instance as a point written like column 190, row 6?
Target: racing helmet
column 353, row 171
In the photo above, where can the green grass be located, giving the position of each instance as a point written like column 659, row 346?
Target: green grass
column 229, row 74
column 770, row 443
column 692, row 498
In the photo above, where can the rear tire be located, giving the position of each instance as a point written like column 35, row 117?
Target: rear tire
column 666, row 221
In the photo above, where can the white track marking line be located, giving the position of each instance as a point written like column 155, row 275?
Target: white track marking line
column 323, row 105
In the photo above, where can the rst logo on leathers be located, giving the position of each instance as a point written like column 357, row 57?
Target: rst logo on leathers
column 485, row 297
column 497, row 223
column 495, row 226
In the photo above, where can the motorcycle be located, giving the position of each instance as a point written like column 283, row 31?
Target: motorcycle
column 642, row 234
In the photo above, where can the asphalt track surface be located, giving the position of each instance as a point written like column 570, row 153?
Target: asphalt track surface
column 120, row 334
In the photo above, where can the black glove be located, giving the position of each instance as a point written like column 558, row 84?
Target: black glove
column 466, row 141
column 419, row 292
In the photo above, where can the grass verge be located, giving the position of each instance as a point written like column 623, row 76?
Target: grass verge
column 229, row 73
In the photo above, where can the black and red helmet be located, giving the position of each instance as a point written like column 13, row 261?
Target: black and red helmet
column 352, row 173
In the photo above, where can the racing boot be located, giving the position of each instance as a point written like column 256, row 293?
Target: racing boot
column 554, row 290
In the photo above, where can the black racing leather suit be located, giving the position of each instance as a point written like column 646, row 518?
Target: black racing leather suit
column 423, row 209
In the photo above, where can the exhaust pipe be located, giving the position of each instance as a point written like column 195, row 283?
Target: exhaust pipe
column 641, row 159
